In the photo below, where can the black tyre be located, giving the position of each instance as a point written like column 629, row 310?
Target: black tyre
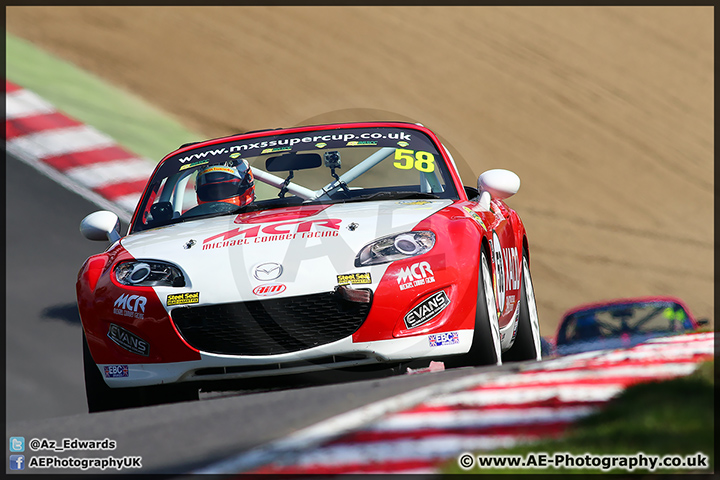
column 485, row 349
column 528, row 344
column 101, row 398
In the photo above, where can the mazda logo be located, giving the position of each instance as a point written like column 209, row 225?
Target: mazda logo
column 268, row 271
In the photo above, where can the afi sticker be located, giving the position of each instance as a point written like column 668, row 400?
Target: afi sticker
column 269, row 289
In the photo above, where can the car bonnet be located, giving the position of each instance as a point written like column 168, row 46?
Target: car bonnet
column 289, row 251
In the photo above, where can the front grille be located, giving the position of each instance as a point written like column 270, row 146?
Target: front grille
column 269, row 327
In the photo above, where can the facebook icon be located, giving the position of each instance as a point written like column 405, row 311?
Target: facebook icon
column 17, row 462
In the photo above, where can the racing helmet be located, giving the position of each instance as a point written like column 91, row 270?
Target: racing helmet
column 226, row 183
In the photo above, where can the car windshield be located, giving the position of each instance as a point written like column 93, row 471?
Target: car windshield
column 309, row 167
column 611, row 321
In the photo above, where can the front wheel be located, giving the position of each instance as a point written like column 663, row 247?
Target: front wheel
column 101, row 398
column 528, row 344
column 485, row 349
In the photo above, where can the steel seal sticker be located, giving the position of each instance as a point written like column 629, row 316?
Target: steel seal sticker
column 439, row 339
column 354, row 279
column 129, row 341
column 116, row 371
column 427, row 309
column 183, row 298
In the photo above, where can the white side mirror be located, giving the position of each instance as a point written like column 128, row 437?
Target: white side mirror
column 102, row 225
column 497, row 183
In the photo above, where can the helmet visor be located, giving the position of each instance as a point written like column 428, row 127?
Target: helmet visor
column 218, row 185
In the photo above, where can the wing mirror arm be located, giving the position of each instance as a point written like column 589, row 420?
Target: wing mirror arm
column 484, row 200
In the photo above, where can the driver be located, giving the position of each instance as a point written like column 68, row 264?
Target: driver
column 223, row 183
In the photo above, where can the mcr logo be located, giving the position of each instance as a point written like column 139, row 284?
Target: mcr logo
column 285, row 230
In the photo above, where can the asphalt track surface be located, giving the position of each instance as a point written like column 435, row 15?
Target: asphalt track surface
column 45, row 389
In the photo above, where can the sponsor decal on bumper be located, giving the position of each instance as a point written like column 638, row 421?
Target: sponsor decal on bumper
column 427, row 309
column 415, row 275
column 128, row 341
column 269, row 289
column 447, row 338
column 183, row 298
column 116, row 371
column 354, row 279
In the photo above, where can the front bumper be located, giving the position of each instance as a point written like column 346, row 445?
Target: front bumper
column 340, row 354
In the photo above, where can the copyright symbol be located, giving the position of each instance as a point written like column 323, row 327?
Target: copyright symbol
column 34, row 444
column 466, row 461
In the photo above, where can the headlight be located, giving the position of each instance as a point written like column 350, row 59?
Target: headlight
column 147, row 273
column 395, row 247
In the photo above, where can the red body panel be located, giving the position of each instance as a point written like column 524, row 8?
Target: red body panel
column 453, row 267
column 147, row 319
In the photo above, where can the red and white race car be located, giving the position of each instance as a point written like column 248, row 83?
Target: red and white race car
column 290, row 250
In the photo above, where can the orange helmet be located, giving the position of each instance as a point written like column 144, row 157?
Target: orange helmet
column 222, row 183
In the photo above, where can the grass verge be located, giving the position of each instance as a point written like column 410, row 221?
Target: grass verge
column 671, row 417
column 129, row 120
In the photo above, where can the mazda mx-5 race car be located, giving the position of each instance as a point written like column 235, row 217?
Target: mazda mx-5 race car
column 623, row 323
column 291, row 250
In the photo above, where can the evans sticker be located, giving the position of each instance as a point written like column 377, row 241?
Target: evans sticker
column 439, row 339
column 427, row 309
column 183, row 298
column 127, row 340
column 116, row 371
